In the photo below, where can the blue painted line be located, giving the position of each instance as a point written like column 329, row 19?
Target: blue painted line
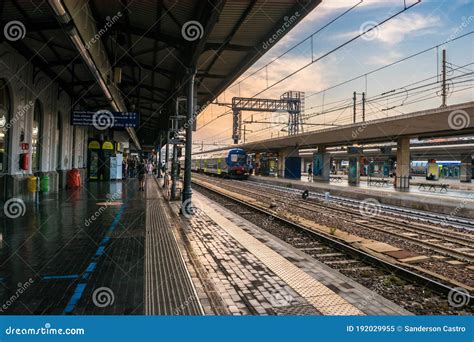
column 100, row 250
column 69, row 276
column 91, row 267
column 75, row 298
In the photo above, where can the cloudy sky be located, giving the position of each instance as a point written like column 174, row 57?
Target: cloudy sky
column 430, row 23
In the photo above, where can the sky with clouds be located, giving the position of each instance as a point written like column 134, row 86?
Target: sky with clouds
column 429, row 23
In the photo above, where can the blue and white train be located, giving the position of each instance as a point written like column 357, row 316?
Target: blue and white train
column 231, row 163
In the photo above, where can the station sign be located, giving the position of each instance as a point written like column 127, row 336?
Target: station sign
column 104, row 119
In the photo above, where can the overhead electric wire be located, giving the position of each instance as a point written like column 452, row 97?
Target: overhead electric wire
column 389, row 65
column 301, row 42
column 328, row 53
column 340, row 46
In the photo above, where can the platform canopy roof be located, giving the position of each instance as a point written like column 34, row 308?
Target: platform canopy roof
column 145, row 39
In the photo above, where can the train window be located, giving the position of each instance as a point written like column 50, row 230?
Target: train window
column 234, row 158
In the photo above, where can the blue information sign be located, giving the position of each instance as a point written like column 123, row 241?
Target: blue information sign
column 104, row 119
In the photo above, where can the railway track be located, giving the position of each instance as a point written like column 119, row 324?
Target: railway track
column 337, row 254
column 423, row 216
column 457, row 245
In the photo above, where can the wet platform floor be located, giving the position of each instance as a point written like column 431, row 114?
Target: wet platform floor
column 76, row 252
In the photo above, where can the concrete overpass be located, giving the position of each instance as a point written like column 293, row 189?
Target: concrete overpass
column 449, row 121
column 453, row 151
column 424, row 124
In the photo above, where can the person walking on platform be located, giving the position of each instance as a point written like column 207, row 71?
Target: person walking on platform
column 141, row 175
column 131, row 168
column 124, row 169
column 310, row 173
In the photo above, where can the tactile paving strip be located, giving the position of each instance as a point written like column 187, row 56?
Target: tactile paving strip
column 321, row 297
column 168, row 287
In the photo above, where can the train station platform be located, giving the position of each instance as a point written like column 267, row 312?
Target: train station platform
column 450, row 202
column 111, row 249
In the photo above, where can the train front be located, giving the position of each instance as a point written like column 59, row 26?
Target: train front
column 237, row 163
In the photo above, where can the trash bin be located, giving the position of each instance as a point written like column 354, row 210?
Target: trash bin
column 74, row 179
column 44, row 183
column 31, row 184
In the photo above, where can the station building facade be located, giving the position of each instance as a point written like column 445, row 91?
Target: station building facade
column 36, row 137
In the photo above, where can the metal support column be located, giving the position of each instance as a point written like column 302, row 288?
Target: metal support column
column 236, row 120
column 158, row 166
column 363, row 106
column 174, row 172
column 354, row 99
column 167, row 150
column 187, row 191
column 443, row 85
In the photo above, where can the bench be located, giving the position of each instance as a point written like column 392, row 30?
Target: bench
column 433, row 187
column 336, row 179
column 377, row 182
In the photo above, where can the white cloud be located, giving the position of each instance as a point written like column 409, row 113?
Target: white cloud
column 413, row 24
column 384, row 58
column 397, row 29
column 330, row 6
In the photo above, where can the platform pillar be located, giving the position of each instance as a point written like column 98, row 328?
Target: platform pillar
column 402, row 172
column 167, row 150
column 353, row 175
column 174, row 172
column 257, row 164
column 186, row 206
column 281, row 164
column 158, row 164
column 353, row 172
column 465, row 174
column 321, row 165
column 287, row 160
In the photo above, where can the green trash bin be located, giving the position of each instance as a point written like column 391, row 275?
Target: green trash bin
column 44, row 183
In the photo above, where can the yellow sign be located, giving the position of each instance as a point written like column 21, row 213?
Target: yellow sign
column 94, row 145
column 107, row 145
